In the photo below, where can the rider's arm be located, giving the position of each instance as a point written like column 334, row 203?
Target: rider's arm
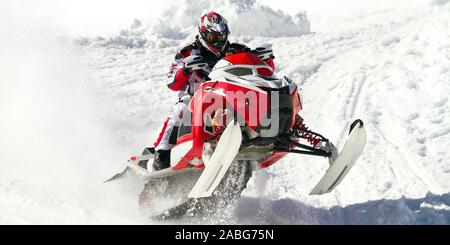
column 177, row 78
column 271, row 63
column 237, row 48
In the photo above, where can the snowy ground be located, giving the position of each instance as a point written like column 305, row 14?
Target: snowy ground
column 74, row 107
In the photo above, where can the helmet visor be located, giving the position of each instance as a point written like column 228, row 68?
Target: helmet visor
column 216, row 37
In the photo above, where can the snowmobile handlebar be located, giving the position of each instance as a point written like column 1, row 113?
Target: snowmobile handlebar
column 198, row 62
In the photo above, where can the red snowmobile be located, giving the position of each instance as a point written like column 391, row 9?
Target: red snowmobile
column 242, row 120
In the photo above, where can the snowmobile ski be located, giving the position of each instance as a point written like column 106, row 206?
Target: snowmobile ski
column 351, row 151
column 223, row 156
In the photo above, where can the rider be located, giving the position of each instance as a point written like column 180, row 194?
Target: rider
column 212, row 44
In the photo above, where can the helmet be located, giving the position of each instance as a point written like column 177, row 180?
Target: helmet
column 213, row 29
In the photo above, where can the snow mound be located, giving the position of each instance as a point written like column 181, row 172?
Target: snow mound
column 245, row 18
column 133, row 37
column 439, row 2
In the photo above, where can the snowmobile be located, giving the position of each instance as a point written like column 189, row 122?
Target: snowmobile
column 241, row 120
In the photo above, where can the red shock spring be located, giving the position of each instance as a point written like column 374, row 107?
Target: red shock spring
column 303, row 132
column 217, row 135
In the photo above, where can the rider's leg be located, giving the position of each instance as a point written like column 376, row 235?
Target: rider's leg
column 164, row 143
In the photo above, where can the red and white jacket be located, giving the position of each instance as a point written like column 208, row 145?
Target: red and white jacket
column 177, row 80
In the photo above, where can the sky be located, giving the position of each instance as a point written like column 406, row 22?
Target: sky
column 106, row 17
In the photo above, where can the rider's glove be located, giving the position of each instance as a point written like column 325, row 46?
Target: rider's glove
column 186, row 71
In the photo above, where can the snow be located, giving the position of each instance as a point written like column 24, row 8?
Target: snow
column 77, row 100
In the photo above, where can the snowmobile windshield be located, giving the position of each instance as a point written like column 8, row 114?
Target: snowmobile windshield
column 269, row 78
column 240, row 71
column 245, row 70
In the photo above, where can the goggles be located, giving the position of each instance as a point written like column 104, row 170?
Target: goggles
column 215, row 37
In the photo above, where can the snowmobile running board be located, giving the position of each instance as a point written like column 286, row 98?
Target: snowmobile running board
column 217, row 166
column 144, row 174
column 135, row 159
